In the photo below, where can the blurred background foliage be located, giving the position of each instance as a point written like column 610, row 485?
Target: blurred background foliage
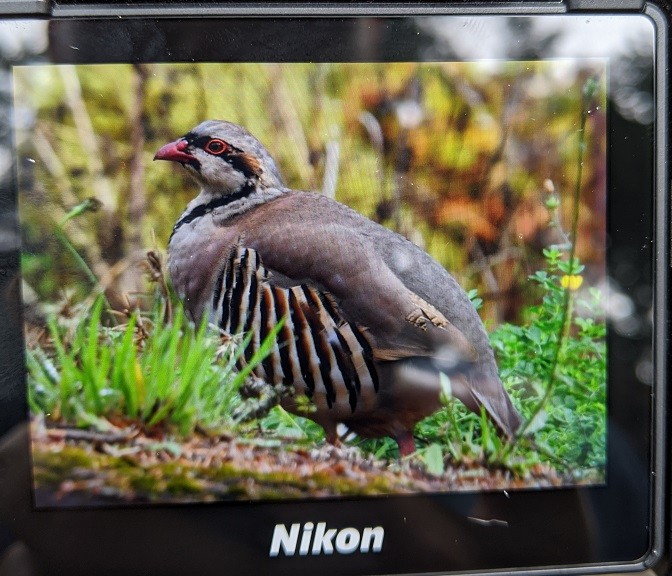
column 465, row 159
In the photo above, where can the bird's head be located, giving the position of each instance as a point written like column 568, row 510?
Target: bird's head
column 223, row 158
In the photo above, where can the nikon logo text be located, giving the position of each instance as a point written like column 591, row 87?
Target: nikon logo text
column 316, row 539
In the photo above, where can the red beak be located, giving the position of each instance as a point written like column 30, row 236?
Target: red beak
column 175, row 151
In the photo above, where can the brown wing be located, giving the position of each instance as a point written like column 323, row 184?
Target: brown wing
column 343, row 268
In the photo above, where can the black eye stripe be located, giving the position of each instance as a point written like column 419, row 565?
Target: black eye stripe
column 233, row 156
column 201, row 141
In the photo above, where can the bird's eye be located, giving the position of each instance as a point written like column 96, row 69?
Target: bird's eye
column 216, row 146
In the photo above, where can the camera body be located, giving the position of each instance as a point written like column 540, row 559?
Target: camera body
column 180, row 339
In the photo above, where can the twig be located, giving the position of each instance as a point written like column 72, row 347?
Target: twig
column 375, row 133
column 291, row 123
column 81, row 263
column 87, row 135
column 552, row 204
column 137, row 203
column 155, row 270
column 501, row 257
column 90, row 436
column 43, row 148
column 331, row 163
column 202, row 100
column 488, row 275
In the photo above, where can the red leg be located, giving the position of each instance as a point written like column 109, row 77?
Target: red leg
column 332, row 436
column 406, row 443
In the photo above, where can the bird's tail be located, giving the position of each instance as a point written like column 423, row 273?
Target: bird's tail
column 478, row 385
column 487, row 391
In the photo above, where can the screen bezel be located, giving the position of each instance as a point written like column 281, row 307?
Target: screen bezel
column 569, row 527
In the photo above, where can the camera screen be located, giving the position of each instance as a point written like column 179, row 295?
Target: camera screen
column 309, row 279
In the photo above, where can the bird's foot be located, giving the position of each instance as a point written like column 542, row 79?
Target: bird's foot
column 406, row 443
column 259, row 399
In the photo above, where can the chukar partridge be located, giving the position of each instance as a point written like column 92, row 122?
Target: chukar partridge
column 371, row 321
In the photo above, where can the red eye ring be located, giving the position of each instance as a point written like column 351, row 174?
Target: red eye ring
column 216, row 147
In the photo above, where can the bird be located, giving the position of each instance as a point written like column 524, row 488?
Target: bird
column 373, row 330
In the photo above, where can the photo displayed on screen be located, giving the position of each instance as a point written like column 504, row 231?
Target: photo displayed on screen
column 294, row 281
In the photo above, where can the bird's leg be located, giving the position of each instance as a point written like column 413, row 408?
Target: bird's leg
column 332, row 436
column 406, row 443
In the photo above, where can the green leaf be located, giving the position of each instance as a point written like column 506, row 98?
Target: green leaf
column 432, row 457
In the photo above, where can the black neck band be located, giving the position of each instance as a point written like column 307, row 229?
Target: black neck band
column 203, row 209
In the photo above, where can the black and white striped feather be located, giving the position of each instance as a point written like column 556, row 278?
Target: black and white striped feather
column 317, row 351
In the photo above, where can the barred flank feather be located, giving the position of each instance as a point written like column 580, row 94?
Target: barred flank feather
column 317, row 350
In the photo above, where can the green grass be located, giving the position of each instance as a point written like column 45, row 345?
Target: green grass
column 179, row 377
column 147, row 371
